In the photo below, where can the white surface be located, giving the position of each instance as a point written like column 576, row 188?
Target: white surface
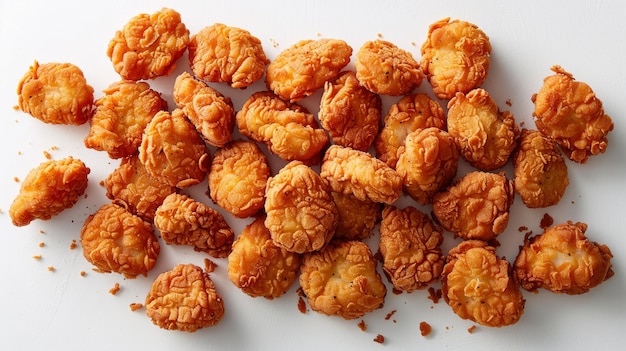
column 62, row 310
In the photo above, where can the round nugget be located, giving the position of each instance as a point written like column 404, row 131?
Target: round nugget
column 357, row 218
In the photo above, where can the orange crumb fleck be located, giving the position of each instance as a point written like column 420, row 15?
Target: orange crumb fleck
column 54, row 148
column 379, row 339
column 51, row 268
column 471, row 329
column 16, row 108
column 380, row 35
column 115, row 289
column 413, row 43
column 135, row 306
column 209, row 266
column 301, row 305
column 47, row 155
column 388, row 316
column 425, row 328
column 522, row 123
column 509, row 102
column 37, row 257
column 82, row 273
column 522, row 228
column 546, row 221
column 434, row 295
column 362, row 325
column 42, row 244
column 73, row 245
column 16, row 179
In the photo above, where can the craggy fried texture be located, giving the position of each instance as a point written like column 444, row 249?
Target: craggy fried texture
column 258, row 266
column 428, row 164
column 185, row 221
column 55, row 93
column 115, row 240
column 540, row 170
column 485, row 136
column 341, row 280
column 184, row 299
column 479, row 285
column 455, row 57
column 149, row 45
column 302, row 69
column 411, row 112
column 475, row 206
column 172, row 150
column 349, row 112
column 301, row 213
column 350, row 171
column 49, row 189
column 563, row 260
column 569, row 112
column 120, row 117
column 220, row 53
column 410, row 243
column 356, row 218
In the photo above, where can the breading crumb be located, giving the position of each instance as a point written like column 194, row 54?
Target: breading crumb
column 115, row 289
column 135, row 306
column 16, row 179
column 546, row 221
column 82, row 273
column 301, row 305
column 73, row 245
column 388, row 316
column 51, row 268
column 42, row 244
column 425, row 329
column 37, row 257
column 47, row 155
column 471, row 329
column 522, row 228
column 434, row 295
column 362, row 325
column 209, row 266
column 379, row 339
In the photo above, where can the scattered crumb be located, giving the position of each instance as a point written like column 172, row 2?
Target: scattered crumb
column 47, row 155
column 379, row 339
column 41, row 231
column 319, row 34
column 101, row 183
column 37, row 257
column 42, row 244
column 73, row 245
column 301, row 305
column 300, row 292
column 51, row 268
column 546, row 221
column 388, row 316
column 54, row 148
column 522, row 123
column 434, row 295
column 380, row 35
column 135, row 306
column 16, row 108
column 522, row 228
column 115, row 289
column 425, row 328
column 16, row 179
column 82, row 273
column 413, row 43
column 274, row 42
column 508, row 102
column 378, row 256
column 209, row 266
column 471, row 329
column 573, row 202
column 362, row 325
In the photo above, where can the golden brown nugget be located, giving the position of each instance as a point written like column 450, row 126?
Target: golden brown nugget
column 384, row 68
column 355, row 172
column 410, row 243
column 115, row 240
column 55, row 93
column 225, row 54
column 540, row 170
column 563, row 260
column 185, row 299
column 48, row 189
column 341, row 280
column 455, row 57
column 258, row 266
column 302, row 69
column 485, row 136
column 120, row 117
column 569, row 112
column 149, row 45
column 480, row 286
column 476, row 206
column 356, row 218
column 349, row 112
column 238, row 177
column 185, row 221
column 301, row 213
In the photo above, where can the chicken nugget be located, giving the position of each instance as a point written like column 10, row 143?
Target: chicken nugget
column 55, row 93
column 115, row 240
column 220, row 53
column 341, row 280
column 563, row 260
column 302, row 69
column 48, row 189
column 185, row 221
column 149, row 45
column 356, row 218
column 569, row 112
column 455, row 57
column 120, row 117
column 480, row 286
column 301, row 213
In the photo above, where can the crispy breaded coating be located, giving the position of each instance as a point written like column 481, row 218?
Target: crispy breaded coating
column 185, row 221
column 115, row 240
column 184, row 299
column 569, row 112
column 455, row 57
column 225, row 54
column 563, row 260
column 55, row 93
column 410, row 243
column 301, row 213
column 479, row 285
column 356, row 218
column 355, row 172
column 341, row 280
column 149, row 45
column 120, row 117
column 476, row 206
column 48, row 189
column 485, row 136
column 302, row 69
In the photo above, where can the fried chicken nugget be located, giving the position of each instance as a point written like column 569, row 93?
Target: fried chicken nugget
column 455, row 57
column 563, row 260
column 301, row 213
column 220, row 53
column 302, row 69
column 258, row 266
column 120, row 117
column 410, row 243
column 48, row 189
column 149, row 45
column 475, row 206
column 569, row 112
column 480, row 286
column 185, row 221
column 185, row 299
column 55, row 93
column 356, row 218
column 115, row 240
